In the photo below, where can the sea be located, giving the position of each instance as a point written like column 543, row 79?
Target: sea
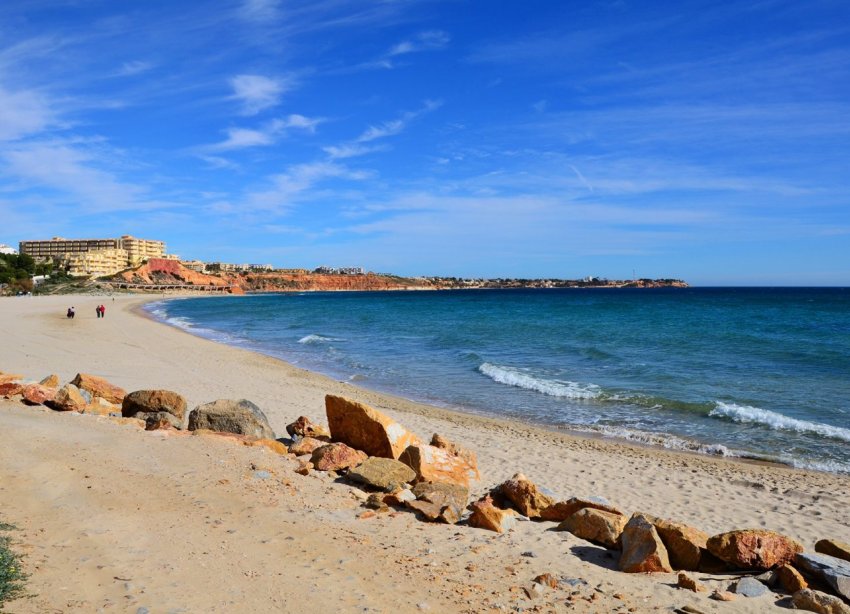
column 760, row 373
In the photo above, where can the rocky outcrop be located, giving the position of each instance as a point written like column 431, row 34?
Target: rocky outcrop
column 485, row 515
column 816, row 601
column 830, row 571
column 524, row 496
column 36, row 394
column 643, row 550
column 10, row 389
column 6, row 378
column 685, row 544
column 383, row 473
column 336, row 457
column 433, row 464
column 69, row 398
column 98, row 387
column 562, row 510
column 757, row 549
column 454, row 449
column 839, row 550
column 152, row 402
column 439, row 501
column 603, row 528
column 790, row 580
column 303, row 427
column 365, row 428
column 231, row 416
column 306, row 445
column 51, row 381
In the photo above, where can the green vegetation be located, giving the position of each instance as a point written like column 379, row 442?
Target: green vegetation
column 16, row 271
column 11, row 577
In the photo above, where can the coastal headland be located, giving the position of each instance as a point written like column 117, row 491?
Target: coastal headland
column 116, row 518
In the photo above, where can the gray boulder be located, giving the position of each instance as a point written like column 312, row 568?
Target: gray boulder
column 832, row 571
column 750, row 587
column 231, row 416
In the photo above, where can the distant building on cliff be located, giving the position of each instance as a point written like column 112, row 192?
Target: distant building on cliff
column 350, row 270
column 96, row 257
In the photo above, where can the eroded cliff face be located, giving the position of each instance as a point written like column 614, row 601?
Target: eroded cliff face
column 159, row 271
column 278, row 282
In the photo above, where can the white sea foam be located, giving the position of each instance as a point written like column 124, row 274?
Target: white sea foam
column 554, row 388
column 663, row 440
column 314, row 339
column 746, row 414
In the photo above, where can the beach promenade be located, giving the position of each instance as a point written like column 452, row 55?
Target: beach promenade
column 116, row 519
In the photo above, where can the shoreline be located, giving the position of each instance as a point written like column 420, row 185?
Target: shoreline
column 679, row 444
column 138, row 513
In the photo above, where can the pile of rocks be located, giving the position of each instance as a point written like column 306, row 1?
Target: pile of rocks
column 373, row 451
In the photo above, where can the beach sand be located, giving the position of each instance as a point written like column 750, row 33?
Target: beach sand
column 115, row 519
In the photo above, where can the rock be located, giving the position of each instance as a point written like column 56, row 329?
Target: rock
column 816, row 601
column 10, row 378
column 51, row 381
column 231, row 416
column 383, row 473
column 689, row 583
column 272, row 445
column 684, row 543
column 304, row 467
column 99, row 387
column 303, row 427
column 10, row 389
column 485, row 515
column 36, row 394
column 336, row 456
column 439, row 501
column 749, row 587
column 547, row 579
column 306, row 445
column 753, row 548
column 432, row 464
column 562, row 510
column 468, row 456
column 140, row 403
column 839, row 550
column 100, row 407
column 595, row 526
column 719, row 595
column 367, row 429
column 524, row 496
column 68, row 398
column 160, row 421
column 708, row 563
column 643, row 550
column 832, row 571
column 399, row 497
column 790, row 580
column 128, row 421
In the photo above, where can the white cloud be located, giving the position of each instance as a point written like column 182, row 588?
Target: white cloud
column 424, row 41
column 73, row 172
column 260, row 10
column 241, row 138
column 393, row 127
column 257, row 93
column 287, row 187
column 23, row 113
column 135, row 67
column 349, row 150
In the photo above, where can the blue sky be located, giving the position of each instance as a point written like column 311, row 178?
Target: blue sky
column 703, row 140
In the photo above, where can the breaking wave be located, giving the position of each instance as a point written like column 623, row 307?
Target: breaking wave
column 315, row 339
column 554, row 388
column 746, row 414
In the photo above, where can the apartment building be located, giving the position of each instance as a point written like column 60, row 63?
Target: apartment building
column 94, row 256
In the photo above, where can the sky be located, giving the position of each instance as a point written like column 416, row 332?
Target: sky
column 701, row 140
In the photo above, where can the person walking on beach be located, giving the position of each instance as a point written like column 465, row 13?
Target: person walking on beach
column 70, row 313
column 103, row 311
column 97, row 311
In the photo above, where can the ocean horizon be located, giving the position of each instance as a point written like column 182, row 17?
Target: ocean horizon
column 750, row 372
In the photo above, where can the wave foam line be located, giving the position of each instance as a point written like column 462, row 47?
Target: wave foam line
column 554, row 388
column 746, row 414
column 313, row 339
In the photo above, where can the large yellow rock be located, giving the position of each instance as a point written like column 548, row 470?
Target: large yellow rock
column 754, row 548
column 643, row 550
column 433, row 464
column 99, row 387
column 524, row 495
column 595, row 526
column 51, row 381
column 366, row 429
column 68, row 398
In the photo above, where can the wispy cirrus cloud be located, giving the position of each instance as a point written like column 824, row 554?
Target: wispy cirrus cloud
column 134, row 67
column 24, row 113
column 260, row 10
column 424, row 41
column 396, row 126
column 257, row 93
column 242, row 138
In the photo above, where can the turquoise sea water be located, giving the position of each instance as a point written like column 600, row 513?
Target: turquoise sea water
column 750, row 372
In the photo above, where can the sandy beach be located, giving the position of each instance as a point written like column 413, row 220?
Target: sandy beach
column 115, row 519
